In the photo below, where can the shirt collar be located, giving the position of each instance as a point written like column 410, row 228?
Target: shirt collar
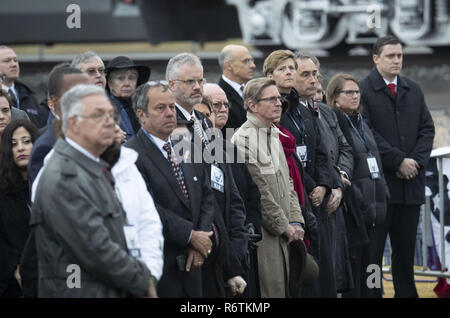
column 236, row 86
column 157, row 141
column 6, row 88
column 393, row 82
column 82, row 150
column 186, row 113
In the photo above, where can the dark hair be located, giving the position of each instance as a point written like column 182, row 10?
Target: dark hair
column 206, row 100
column 6, row 95
column 140, row 96
column 11, row 180
column 383, row 41
column 55, row 78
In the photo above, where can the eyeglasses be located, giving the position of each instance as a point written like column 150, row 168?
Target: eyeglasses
column 271, row 100
column 93, row 71
column 191, row 82
column 102, row 117
column 350, row 93
column 219, row 105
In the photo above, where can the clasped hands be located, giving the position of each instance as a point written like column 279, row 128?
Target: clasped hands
column 294, row 232
column 409, row 169
column 199, row 248
column 317, row 194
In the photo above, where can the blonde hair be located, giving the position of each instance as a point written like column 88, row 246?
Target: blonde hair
column 276, row 58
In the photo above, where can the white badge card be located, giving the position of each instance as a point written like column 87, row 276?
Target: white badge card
column 217, row 179
column 373, row 167
column 131, row 237
column 302, row 154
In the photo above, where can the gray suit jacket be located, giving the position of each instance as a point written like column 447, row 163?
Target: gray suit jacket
column 18, row 114
column 78, row 220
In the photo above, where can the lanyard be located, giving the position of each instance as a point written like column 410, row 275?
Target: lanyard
column 361, row 135
column 301, row 129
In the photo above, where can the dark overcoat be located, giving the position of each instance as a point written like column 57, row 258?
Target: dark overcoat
column 403, row 128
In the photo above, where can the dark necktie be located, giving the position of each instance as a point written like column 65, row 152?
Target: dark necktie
column 392, row 87
column 13, row 97
column 176, row 170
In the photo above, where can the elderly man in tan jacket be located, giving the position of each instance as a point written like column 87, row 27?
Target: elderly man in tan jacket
column 282, row 219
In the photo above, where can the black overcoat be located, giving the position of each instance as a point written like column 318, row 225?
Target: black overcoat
column 403, row 128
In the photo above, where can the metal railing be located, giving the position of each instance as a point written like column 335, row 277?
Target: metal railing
column 439, row 154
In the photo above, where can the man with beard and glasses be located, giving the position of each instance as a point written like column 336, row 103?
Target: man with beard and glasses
column 184, row 74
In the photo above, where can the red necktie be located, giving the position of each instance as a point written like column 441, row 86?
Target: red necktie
column 392, row 87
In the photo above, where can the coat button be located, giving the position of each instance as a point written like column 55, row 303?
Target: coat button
column 403, row 137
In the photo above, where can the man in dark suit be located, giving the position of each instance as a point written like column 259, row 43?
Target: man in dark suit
column 404, row 130
column 302, row 121
column 181, row 192
column 23, row 97
column 237, row 67
column 248, row 191
column 185, row 78
column 60, row 81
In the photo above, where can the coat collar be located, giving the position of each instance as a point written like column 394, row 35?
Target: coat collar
column 63, row 148
column 378, row 83
column 255, row 122
column 230, row 90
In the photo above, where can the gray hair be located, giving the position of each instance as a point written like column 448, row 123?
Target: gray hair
column 84, row 58
column 140, row 97
column 225, row 56
column 254, row 88
column 71, row 101
column 303, row 55
column 175, row 62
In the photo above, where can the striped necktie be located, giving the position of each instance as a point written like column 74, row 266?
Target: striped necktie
column 176, row 170
column 199, row 132
column 14, row 98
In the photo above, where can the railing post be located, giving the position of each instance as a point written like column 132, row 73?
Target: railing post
column 426, row 210
column 441, row 210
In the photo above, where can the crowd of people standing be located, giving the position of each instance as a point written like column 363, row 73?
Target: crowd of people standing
column 282, row 186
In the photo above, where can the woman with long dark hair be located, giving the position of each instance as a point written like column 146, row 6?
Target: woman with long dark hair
column 15, row 149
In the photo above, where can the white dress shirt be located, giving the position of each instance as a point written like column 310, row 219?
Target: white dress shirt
column 393, row 82
column 236, row 86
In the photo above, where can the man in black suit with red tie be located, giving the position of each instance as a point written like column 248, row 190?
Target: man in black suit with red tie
column 403, row 129
column 181, row 192
column 237, row 67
